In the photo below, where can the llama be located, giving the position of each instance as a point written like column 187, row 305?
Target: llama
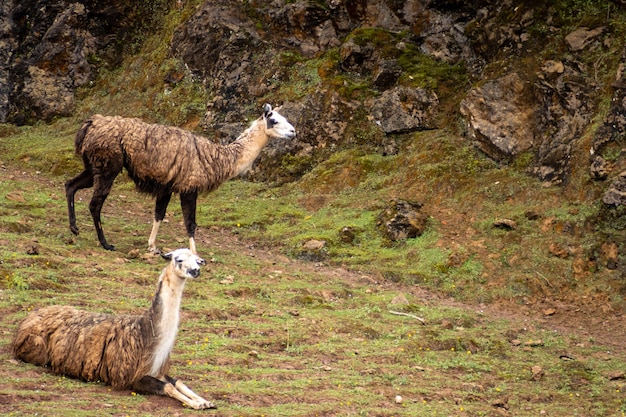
column 163, row 160
column 126, row 352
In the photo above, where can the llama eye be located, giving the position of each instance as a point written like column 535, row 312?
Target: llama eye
column 271, row 123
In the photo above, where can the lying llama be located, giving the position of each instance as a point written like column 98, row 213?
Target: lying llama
column 163, row 160
column 126, row 352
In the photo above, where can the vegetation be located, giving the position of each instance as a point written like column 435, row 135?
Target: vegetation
column 274, row 328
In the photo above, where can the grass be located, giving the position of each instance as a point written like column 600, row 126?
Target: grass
column 291, row 338
column 266, row 332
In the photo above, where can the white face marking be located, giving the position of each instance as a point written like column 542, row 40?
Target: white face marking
column 278, row 126
column 186, row 263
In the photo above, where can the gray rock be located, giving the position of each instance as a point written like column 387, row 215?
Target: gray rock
column 599, row 168
column 386, row 74
column 616, row 194
column 500, row 117
column 402, row 220
column 580, row 38
column 404, row 109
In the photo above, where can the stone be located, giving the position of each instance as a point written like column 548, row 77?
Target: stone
column 616, row 194
column 506, row 224
column 404, row 109
column 580, row 38
column 551, row 67
column 499, row 117
column 402, row 220
column 599, row 168
column 386, row 74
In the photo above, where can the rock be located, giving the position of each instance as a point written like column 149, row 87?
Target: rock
column 347, row 234
column 609, row 255
column 404, row 109
column 444, row 38
column 537, row 373
column 549, row 312
column 386, row 74
column 552, row 68
column 402, row 220
column 229, row 279
column 400, row 299
column 558, row 250
column 500, row 403
column 580, row 38
column 314, row 244
column 616, row 194
column 506, row 224
column 599, row 168
column 133, row 254
column 500, row 117
column 32, row 249
column 355, row 57
column 532, row 215
column 534, row 343
column 313, row 250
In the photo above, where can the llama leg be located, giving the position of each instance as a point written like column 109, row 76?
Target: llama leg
column 82, row 180
column 185, row 390
column 103, row 186
column 159, row 214
column 152, row 385
column 188, row 204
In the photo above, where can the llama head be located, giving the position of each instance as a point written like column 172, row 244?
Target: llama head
column 276, row 125
column 185, row 263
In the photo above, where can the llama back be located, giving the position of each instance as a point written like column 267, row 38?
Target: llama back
column 83, row 345
column 154, row 155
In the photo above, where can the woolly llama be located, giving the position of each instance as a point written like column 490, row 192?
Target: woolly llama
column 126, row 352
column 163, row 160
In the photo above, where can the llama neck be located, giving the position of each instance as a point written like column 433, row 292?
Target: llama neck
column 248, row 146
column 165, row 315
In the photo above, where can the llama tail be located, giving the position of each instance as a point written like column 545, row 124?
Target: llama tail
column 80, row 135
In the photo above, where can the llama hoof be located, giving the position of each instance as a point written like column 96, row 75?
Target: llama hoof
column 208, row 405
column 74, row 230
column 108, row 247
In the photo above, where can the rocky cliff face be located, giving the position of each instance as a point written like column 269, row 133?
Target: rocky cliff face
column 532, row 81
column 49, row 49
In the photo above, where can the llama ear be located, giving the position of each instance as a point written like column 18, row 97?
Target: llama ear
column 267, row 109
column 167, row 256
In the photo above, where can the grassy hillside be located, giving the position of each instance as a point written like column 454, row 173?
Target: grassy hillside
column 526, row 320
column 265, row 334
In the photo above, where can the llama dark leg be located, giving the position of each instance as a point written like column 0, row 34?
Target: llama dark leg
column 188, row 204
column 159, row 214
column 82, row 180
column 103, row 186
column 172, row 388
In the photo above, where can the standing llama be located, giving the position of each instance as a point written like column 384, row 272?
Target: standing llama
column 126, row 352
column 163, row 160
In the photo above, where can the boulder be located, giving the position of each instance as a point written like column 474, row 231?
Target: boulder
column 55, row 67
column 404, row 109
column 500, row 116
column 402, row 220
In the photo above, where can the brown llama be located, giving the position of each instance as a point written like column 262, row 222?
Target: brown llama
column 126, row 352
column 163, row 160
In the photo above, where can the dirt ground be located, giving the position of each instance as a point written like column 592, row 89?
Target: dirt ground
column 588, row 317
